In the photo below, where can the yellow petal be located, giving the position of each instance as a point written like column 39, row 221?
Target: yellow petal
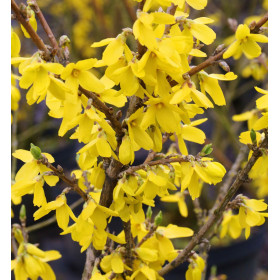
column 88, row 81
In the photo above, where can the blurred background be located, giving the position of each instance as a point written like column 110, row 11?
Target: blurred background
column 88, row 21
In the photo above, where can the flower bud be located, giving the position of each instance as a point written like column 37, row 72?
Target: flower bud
column 149, row 212
column 224, row 66
column 158, row 218
column 22, row 212
column 207, row 150
column 253, row 136
column 35, row 151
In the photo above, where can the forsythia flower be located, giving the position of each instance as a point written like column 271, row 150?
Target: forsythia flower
column 63, row 211
column 78, row 74
column 207, row 171
column 37, row 73
column 178, row 197
column 209, row 83
column 250, row 214
column 230, row 225
column 15, row 44
column 31, row 262
column 195, row 268
column 27, row 179
column 246, row 43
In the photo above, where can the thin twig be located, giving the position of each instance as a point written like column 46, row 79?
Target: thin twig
column 170, row 10
column 46, row 27
column 72, row 183
column 259, row 24
column 33, row 35
column 108, row 111
column 147, row 236
column 163, row 161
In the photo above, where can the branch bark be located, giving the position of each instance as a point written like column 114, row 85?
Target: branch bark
column 61, row 175
column 46, row 27
column 164, row 161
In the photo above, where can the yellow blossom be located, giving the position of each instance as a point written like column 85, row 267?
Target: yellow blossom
column 246, row 43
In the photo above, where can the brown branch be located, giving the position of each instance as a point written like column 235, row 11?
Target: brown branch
column 256, row 28
column 170, row 10
column 89, row 264
column 147, row 236
column 59, row 172
column 111, row 180
column 33, row 4
column 108, row 111
column 164, row 161
column 129, row 243
column 33, row 35
column 152, row 154
column 215, row 216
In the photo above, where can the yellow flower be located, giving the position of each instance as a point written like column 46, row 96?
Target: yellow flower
column 113, row 263
column 37, row 73
column 15, row 94
column 207, row 171
column 200, row 30
column 246, row 43
column 251, row 117
column 230, row 225
column 139, row 137
column 78, row 74
column 161, row 112
column 195, row 268
column 209, row 83
column 188, row 92
column 250, row 214
column 32, row 167
column 114, row 49
column 178, row 197
column 31, row 262
column 190, row 133
column 255, row 69
column 196, row 4
column 15, row 44
column 63, row 211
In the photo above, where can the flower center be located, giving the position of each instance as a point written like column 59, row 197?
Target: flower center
column 75, row 73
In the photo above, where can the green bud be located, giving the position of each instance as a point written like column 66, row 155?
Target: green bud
column 253, row 136
column 22, row 212
column 207, row 150
column 77, row 157
column 158, row 218
column 149, row 212
column 35, row 151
